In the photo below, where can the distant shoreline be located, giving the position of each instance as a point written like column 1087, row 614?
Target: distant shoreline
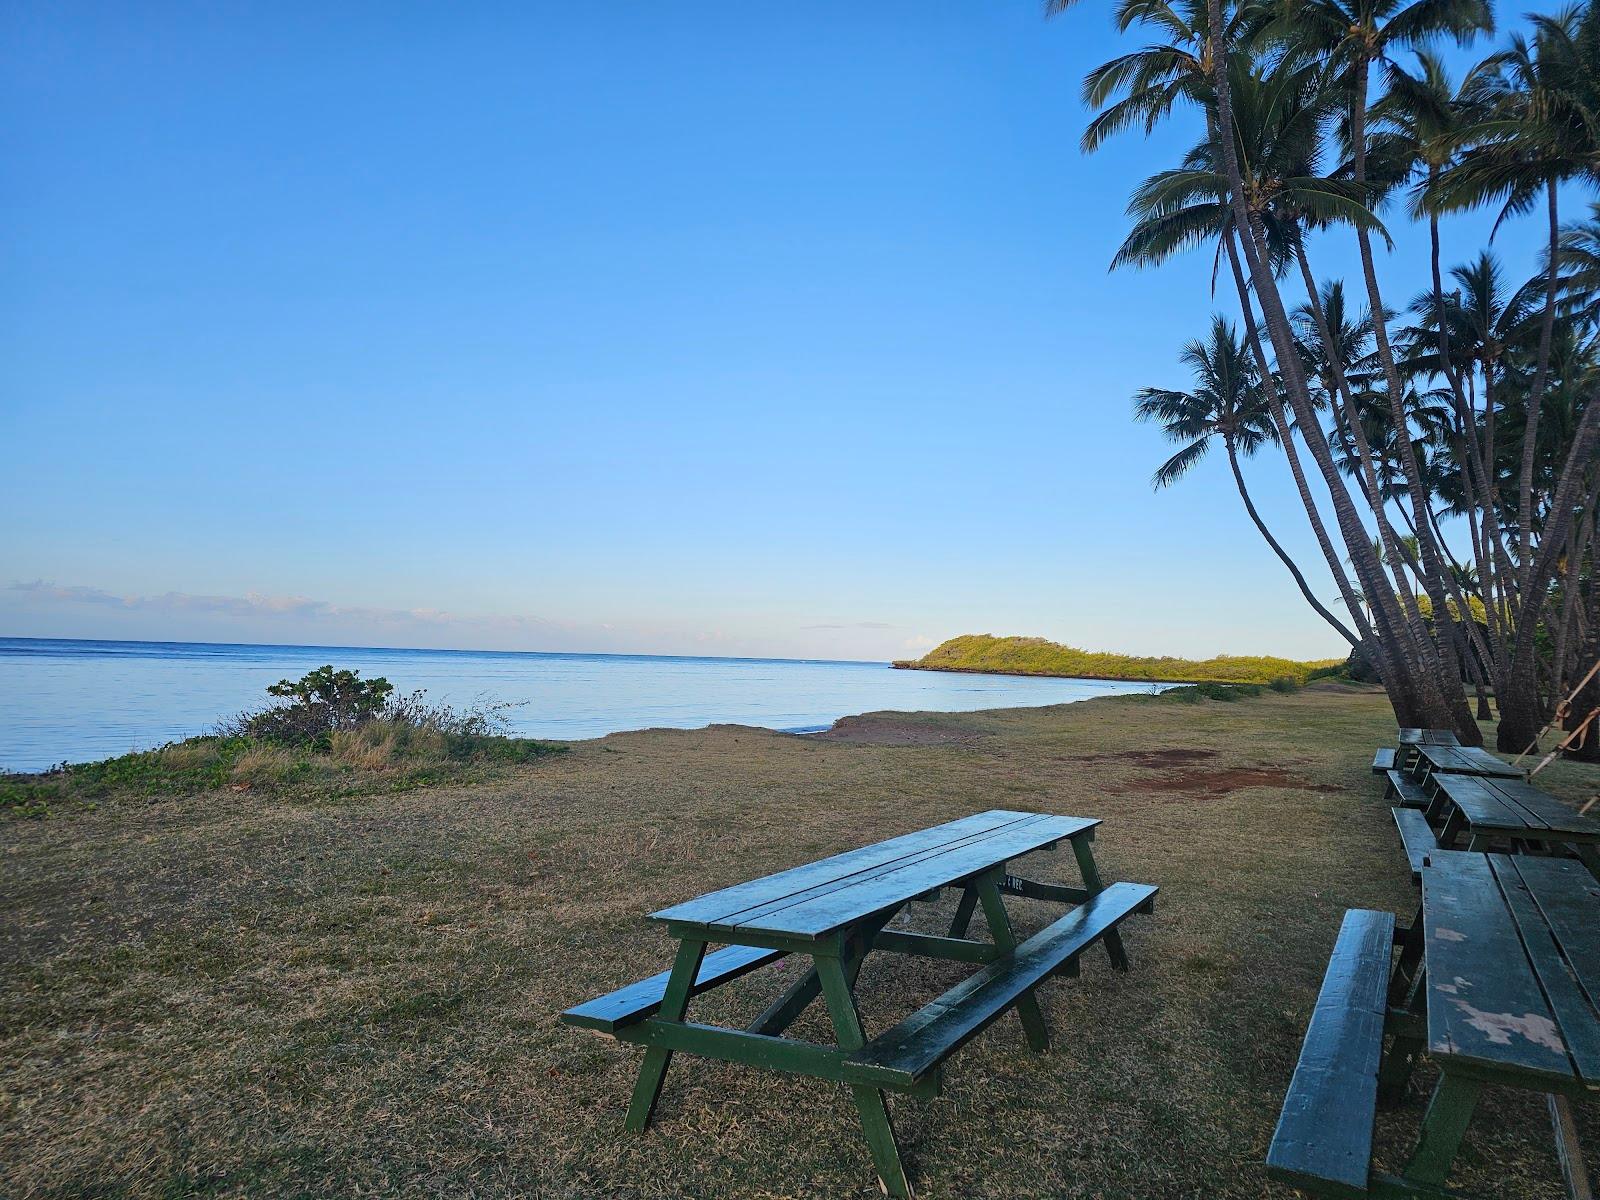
column 907, row 665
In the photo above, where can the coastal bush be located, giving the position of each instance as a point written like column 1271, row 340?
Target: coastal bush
column 1036, row 656
column 338, row 735
column 1284, row 683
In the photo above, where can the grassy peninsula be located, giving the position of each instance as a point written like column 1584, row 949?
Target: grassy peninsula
column 984, row 653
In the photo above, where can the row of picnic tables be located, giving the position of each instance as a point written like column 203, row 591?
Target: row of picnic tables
column 1496, row 979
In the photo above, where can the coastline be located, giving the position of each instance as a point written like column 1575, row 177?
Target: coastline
column 906, row 665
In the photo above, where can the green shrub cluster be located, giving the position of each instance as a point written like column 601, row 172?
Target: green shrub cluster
column 346, row 738
column 1036, row 656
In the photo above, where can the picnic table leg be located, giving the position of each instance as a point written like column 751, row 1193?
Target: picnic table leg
column 783, row 1011
column 964, row 909
column 1394, row 1072
column 1453, row 825
column 1405, row 969
column 837, row 988
column 674, row 1003
column 1443, row 1127
column 994, row 911
column 1084, row 853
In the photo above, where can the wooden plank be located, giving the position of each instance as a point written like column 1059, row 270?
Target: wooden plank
column 707, row 908
column 1428, row 737
column 1542, row 810
column 850, row 901
column 1416, row 835
column 1324, row 1134
column 1568, row 899
column 1483, row 807
column 1467, row 760
column 923, row 1040
column 1412, row 795
column 927, row 945
column 1384, row 760
column 1485, row 1006
column 637, row 1001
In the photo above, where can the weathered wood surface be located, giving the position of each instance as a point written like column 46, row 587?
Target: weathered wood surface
column 911, row 1049
column 823, row 897
column 1409, row 793
column 1467, row 760
column 1561, row 929
column 637, row 1001
column 1416, row 835
column 1428, row 737
column 1515, row 808
column 1486, row 1008
column 1324, row 1135
column 1384, row 760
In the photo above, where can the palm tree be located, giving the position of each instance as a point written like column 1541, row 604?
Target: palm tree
column 1543, row 130
column 1227, row 404
column 1580, row 267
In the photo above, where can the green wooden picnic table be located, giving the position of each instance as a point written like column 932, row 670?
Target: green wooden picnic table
column 836, row 911
column 1492, row 811
column 1461, row 760
column 1497, row 980
column 1404, row 755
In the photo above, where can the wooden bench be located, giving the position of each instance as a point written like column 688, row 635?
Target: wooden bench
column 1384, row 760
column 1409, row 793
column 639, row 1001
column 1416, row 835
column 1323, row 1142
column 906, row 1053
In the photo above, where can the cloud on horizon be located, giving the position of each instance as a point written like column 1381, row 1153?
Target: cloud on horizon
column 41, row 608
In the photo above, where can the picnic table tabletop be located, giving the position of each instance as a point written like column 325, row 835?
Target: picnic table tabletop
column 1498, row 979
column 1428, row 737
column 1512, row 968
column 1466, row 760
column 835, row 893
column 1513, row 808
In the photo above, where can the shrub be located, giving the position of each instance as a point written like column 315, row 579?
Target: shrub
column 1284, row 684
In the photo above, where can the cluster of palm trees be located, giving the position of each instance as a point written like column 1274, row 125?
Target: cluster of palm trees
column 1444, row 444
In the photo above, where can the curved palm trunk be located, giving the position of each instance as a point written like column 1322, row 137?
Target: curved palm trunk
column 1433, row 660
column 1414, row 690
column 1283, row 555
column 1351, row 600
column 1530, row 428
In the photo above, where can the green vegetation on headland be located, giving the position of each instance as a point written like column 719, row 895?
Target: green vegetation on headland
column 337, row 735
column 984, row 653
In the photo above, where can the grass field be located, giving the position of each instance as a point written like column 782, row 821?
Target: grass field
column 225, row 994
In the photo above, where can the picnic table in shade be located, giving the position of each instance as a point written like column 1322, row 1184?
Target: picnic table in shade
column 1462, row 760
column 1497, row 980
column 1490, row 811
column 1403, row 755
column 837, row 910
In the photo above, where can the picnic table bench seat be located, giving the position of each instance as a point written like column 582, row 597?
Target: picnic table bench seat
column 1323, row 1142
column 906, row 1053
column 639, row 1001
column 1385, row 760
column 1416, row 835
column 1408, row 792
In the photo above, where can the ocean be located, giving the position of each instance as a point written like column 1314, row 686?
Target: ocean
column 78, row 701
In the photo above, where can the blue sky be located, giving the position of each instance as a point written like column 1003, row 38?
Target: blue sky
column 723, row 328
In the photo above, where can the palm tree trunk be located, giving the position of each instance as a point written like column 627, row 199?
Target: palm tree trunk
column 1283, row 555
column 1433, row 661
column 1414, row 691
column 1530, row 428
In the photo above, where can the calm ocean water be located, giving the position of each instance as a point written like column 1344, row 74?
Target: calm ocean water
column 76, row 701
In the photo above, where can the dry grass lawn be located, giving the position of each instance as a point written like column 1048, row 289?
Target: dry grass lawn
column 230, row 995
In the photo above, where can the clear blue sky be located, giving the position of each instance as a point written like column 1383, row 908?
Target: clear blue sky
column 726, row 328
